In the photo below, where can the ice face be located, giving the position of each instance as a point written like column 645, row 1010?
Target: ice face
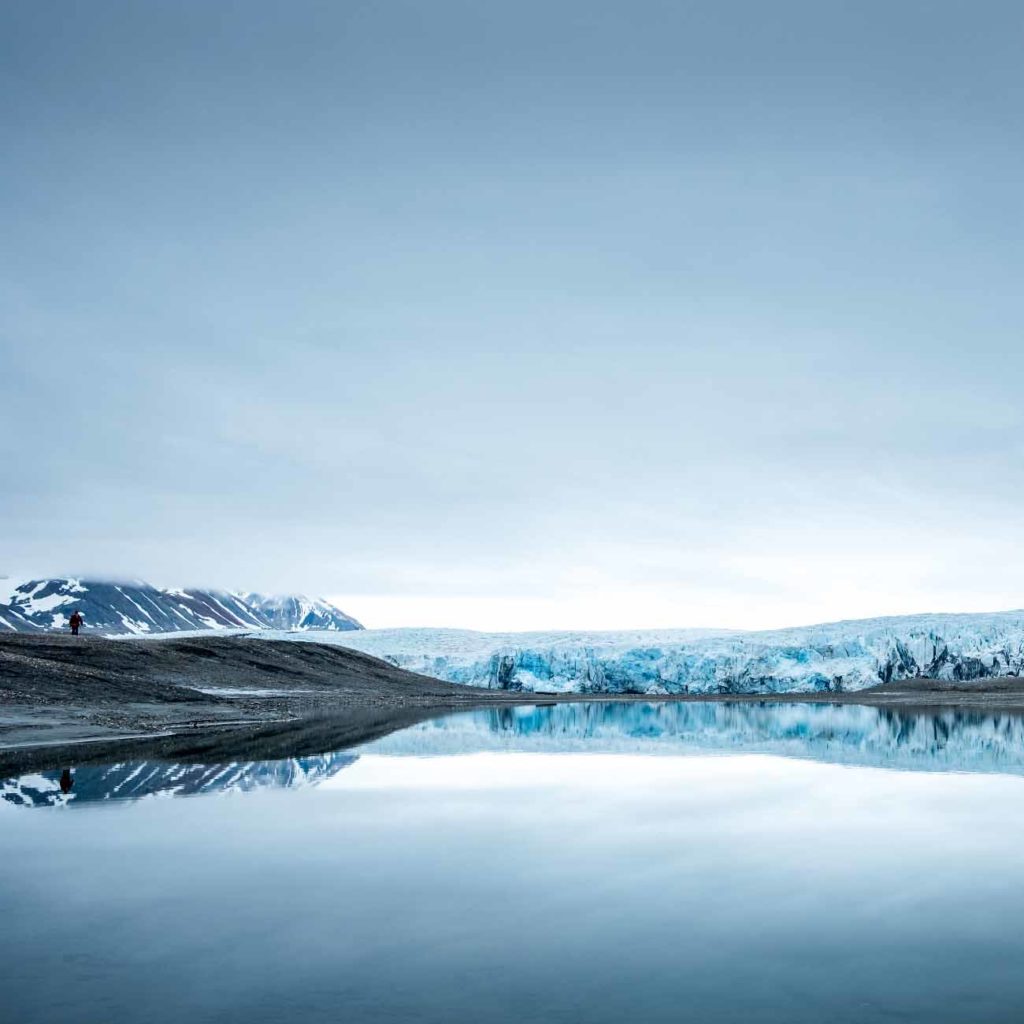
column 836, row 656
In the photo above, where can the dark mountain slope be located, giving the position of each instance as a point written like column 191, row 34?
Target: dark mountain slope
column 137, row 607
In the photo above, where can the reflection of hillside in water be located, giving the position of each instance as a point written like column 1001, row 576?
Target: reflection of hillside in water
column 134, row 780
column 949, row 740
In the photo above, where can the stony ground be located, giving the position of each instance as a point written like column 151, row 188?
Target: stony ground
column 58, row 690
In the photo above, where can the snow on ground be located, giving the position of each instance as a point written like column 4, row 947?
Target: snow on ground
column 188, row 634
column 246, row 691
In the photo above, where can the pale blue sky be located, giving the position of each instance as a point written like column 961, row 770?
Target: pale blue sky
column 518, row 315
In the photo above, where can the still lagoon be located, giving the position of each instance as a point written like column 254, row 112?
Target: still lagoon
column 589, row 862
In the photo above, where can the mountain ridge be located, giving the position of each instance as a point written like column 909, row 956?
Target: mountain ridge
column 137, row 607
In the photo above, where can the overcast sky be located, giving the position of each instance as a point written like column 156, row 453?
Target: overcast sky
column 518, row 315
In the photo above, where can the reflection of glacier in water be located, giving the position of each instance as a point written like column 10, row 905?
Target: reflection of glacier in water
column 134, row 780
column 951, row 740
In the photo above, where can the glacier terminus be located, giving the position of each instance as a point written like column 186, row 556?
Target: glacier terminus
column 837, row 657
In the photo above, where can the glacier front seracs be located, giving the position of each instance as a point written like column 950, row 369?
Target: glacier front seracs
column 838, row 656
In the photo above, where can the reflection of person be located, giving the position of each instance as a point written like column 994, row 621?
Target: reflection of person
column 75, row 622
column 66, row 781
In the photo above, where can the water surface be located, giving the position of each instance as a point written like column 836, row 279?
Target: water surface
column 591, row 862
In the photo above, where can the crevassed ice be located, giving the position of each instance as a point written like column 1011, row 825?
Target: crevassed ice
column 848, row 655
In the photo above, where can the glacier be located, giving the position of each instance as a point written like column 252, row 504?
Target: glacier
column 830, row 657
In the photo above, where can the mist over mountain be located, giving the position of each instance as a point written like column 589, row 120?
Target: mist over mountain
column 295, row 611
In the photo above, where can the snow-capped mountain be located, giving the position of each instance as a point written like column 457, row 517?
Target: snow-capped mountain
column 295, row 611
column 834, row 656
column 133, row 780
column 138, row 607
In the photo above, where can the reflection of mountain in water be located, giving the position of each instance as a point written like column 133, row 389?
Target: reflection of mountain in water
column 953, row 740
column 132, row 780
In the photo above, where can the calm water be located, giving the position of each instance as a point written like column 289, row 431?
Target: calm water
column 583, row 863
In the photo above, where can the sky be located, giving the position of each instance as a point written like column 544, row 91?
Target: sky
column 518, row 316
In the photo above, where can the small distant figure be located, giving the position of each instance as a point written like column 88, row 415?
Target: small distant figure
column 75, row 622
column 66, row 781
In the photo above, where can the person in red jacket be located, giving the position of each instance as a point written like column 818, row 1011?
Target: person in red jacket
column 75, row 622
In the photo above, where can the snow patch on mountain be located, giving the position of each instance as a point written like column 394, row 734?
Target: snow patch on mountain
column 847, row 734
column 296, row 611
